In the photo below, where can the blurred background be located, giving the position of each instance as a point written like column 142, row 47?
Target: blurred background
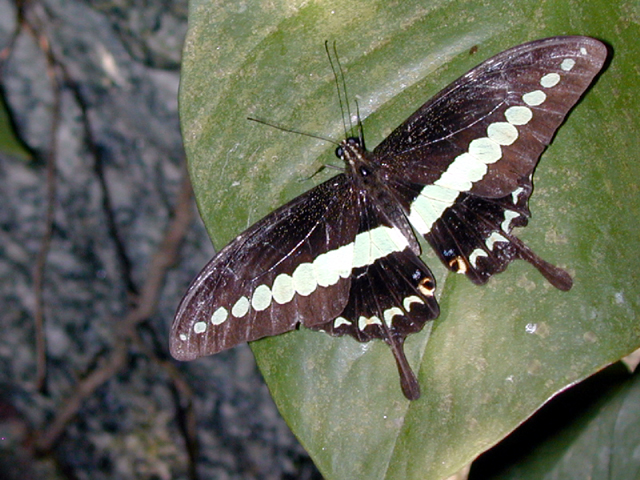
column 100, row 238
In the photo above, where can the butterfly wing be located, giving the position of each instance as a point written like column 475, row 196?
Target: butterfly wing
column 504, row 113
column 461, row 165
column 261, row 283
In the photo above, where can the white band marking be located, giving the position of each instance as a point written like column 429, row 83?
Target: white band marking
column 219, row 316
column 363, row 322
column 550, row 80
column 377, row 243
column 407, row 302
column 473, row 258
column 509, row 215
column 567, row 64
column 503, row 133
column 462, row 172
column 516, row 193
column 326, row 269
column 485, row 150
column 240, row 308
column 327, row 266
column 261, row 298
column 339, row 321
column 390, row 313
column 535, row 98
column 304, row 280
column 518, row 115
column 283, row 290
column 427, row 207
column 493, row 238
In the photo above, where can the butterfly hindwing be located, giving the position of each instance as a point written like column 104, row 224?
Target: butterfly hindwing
column 392, row 290
column 472, row 237
column 390, row 299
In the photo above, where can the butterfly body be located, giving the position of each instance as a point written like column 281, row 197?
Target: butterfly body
column 344, row 258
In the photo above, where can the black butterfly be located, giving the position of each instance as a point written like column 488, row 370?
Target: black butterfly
column 343, row 257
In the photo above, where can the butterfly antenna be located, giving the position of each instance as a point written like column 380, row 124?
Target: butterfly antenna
column 360, row 128
column 344, row 85
column 337, row 82
column 293, row 130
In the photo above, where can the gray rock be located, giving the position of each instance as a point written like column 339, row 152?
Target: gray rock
column 119, row 163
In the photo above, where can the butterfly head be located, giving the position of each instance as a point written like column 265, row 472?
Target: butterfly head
column 349, row 146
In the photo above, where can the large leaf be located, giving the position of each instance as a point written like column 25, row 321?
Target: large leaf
column 9, row 142
column 591, row 431
column 497, row 352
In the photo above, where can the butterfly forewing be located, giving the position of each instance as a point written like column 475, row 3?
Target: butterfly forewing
column 515, row 100
column 272, row 276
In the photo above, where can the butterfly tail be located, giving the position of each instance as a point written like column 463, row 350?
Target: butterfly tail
column 556, row 276
column 408, row 380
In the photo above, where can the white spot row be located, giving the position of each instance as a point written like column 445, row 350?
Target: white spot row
column 568, row 63
column 388, row 315
column 473, row 258
column 495, row 237
column 363, row 322
column 509, row 216
column 516, row 194
column 327, row 269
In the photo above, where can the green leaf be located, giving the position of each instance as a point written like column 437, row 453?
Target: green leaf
column 591, row 431
column 9, row 142
column 496, row 353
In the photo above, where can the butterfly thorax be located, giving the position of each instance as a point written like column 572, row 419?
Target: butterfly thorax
column 357, row 160
column 368, row 179
column 362, row 168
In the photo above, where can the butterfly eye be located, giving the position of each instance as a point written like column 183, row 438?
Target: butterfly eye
column 339, row 152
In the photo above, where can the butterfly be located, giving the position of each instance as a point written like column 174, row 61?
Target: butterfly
column 343, row 257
